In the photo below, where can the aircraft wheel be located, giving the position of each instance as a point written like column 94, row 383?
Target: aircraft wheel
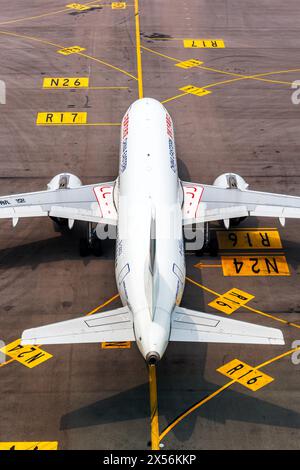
column 97, row 247
column 84, row 247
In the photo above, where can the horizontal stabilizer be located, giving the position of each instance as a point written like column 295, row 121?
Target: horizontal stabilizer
column 193, row 326
column 113, row 325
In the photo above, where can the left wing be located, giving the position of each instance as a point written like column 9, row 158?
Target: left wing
column 205, row 203
column 91, row 203
column 113, row 325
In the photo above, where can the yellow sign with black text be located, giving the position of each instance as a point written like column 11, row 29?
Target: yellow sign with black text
column 30, row 356
column 77, row 6
column 204, row 43
column 64, row 118
column 71, row 50
column 116, row 345
column 231, row 301
column 187, row 64
column 193, row 90
column 246, row 375
column 248, row 239
column 118, row 5
column 255, row 265
column 66, row 82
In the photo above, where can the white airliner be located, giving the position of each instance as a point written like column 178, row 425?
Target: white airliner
column 149, row 205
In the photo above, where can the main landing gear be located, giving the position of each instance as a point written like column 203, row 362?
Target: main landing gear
column 90, row 244
column 210, row 244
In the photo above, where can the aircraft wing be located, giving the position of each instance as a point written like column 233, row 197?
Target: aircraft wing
column 113, row 325
column 205, row 203
column 193, row 326
column 91, row 203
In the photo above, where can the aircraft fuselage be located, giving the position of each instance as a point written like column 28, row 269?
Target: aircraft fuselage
column 150, row 264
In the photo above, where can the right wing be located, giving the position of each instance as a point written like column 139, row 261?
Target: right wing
column 91, row 203
column 207, row 203
column 190, row 325
column 113, row 325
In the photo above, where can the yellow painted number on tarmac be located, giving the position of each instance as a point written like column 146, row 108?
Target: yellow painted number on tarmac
column 66, row 82
column 246, row 375
column 51, row 445
column 116, row 345
column 119, row 5
column 77, row 6
column 30, row 356
column 248, row 239
column 204, row 43
column 61, row 118
column 71, row 50
column 231, row 301
column 187, row 64
column 194, row 90
column 262, row 265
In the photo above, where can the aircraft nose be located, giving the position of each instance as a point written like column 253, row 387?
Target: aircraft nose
column 152, row 358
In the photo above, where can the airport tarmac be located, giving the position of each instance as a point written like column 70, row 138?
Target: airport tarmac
column 236, row 62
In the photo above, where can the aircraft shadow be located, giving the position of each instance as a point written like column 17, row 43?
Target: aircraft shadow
column 58, row 248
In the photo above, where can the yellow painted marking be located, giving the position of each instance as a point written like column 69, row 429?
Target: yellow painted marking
column 51, row 445
column 42, row 15
column 194, row 90
column 107, row 302
column 246, row 375
column 248, row 239
column 77, row 6
column 65, row 82
column 187, row 64
column 217, row 392
column 251, row 309
column 30, row 356
column 118, row 5
column 204, row 43
column 231, row 301
column 258, row 77
column 71, row 50
column 6, row 362
column 202, row 265
column 61, row 118
column 138, row 48
column 174, row 98
column 79, row 53
column 255, row 265
column 153, row 408
column 116, row 345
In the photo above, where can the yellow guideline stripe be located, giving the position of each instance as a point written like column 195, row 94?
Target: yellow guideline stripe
column 254, row 310
column 109, row 301
column 23, row 36
column 154, row 408
column 50, row 445
column 217, row 392
column 138, row 48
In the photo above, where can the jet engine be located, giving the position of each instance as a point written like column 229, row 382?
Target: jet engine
column 231, row 181
column 63, row 181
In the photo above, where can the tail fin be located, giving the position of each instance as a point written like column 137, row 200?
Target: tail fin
column 114, row 325
column 190, row 325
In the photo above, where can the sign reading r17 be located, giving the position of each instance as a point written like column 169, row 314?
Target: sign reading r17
column 63, row 118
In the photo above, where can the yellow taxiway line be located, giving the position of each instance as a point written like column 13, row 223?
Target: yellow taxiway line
column 251, row 309
column 138, row 48
column 217, row 392
column 153, row 408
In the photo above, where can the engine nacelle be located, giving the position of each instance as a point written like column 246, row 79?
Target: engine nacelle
column 231, row 181
column 64, row 181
